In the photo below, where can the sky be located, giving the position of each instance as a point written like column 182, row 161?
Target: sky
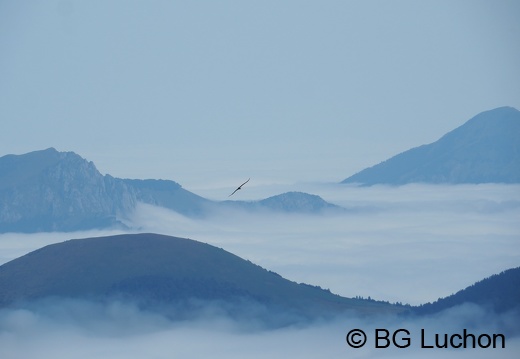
column 211, row 93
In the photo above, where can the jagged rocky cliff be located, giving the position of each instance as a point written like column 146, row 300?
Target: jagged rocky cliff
column 50, row 190
column 61, row 191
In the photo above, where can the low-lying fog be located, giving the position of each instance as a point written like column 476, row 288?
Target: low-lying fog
column 82, row 330
column 410, row 244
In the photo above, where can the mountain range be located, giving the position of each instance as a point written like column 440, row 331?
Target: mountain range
column 485, row 149
column 49, row 190
column 176, row 276
column 61, row 191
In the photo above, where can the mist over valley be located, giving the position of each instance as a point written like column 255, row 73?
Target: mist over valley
column 274, row 179
column 287, row 269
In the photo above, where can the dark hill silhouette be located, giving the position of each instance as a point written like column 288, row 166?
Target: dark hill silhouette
column 161, row 271
column 500, row 292
column 486, row 149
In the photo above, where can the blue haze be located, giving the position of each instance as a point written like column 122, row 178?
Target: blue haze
column 208, row 94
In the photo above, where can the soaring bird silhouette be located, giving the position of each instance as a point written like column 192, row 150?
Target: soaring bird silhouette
column 239, row 187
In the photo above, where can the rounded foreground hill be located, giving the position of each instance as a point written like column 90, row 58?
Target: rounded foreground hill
column 159, row 270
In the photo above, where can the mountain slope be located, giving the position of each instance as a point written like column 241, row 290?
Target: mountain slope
column 486, row 149
column 500, row 292
column 160, row 271
column 168, row 194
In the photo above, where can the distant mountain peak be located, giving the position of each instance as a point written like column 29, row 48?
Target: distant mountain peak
column 48, row 190
column 485, row 149
column 303, row 202
column 288, row 202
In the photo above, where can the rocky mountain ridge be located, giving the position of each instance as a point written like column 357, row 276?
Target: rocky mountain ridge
column 50, row 190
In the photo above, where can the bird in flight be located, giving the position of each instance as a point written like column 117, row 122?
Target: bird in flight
column 239, row 187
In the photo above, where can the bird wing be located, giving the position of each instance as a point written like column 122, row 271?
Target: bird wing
column 244, row 183
column 239, row 187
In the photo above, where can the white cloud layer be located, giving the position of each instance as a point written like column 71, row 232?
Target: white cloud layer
column 66, row 329
column 411, row 244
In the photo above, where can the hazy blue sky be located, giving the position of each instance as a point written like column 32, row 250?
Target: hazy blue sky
column 208, row 93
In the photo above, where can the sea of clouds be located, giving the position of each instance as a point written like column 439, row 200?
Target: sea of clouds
column 80, row 329
column 409, row 244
